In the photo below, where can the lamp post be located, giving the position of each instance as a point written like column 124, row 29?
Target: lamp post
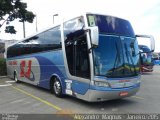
column 24, row 31
column 54, row 16
column 36, row 24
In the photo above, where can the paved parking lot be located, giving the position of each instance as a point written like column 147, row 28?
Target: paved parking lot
column 25, row 98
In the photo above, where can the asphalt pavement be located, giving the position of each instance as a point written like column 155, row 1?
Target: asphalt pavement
column 22, row 98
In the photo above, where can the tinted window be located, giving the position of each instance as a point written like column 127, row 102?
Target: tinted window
column 114, row 57
column 111, row 25
column 25, row 47
column 48, row 40
column 11, row 51
column 20, row 48
column 72, row 26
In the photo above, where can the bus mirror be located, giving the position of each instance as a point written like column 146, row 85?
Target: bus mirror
column 152, row 42
column 94, row 35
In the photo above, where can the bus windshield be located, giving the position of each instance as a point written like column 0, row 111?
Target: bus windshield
column 115, row 58
column 117, row 52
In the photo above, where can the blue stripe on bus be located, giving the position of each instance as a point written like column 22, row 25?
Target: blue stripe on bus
column 51, row 63
column 80, row 87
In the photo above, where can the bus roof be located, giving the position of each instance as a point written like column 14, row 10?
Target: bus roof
column 64, row 20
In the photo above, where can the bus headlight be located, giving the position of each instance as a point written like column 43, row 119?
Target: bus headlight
column 101, row 84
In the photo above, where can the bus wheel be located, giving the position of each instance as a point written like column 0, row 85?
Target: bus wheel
column 15, row 77
column 57, row 87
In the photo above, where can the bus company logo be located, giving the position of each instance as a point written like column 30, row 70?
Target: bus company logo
column 12, row 62
column 25, row 70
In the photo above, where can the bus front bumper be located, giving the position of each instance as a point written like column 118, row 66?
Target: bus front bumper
column 101, row 95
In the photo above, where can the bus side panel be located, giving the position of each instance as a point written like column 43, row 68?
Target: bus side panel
column 27, row 69
column 51, row 64
column 37, row 69
column 10, row 69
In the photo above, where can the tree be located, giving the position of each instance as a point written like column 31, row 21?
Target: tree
column 11, row 10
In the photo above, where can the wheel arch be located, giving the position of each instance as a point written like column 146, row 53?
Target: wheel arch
column 59, row 78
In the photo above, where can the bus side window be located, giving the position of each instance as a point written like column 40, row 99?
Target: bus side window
column 52, row 39
column 25, row 47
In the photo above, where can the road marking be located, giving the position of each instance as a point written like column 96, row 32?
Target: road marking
column 18, row 101
column 5, row 85
column 138, row 97
column 10, row 81
column 37, row 98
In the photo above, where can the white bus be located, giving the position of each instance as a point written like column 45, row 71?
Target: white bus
column 91, row 57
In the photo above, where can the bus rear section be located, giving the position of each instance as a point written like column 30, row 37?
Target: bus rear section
column 146, row 59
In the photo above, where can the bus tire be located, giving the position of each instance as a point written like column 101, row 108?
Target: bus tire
column 16, row 77
column 56, row 87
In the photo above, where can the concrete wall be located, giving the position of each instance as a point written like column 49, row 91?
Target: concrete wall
column 4, row 44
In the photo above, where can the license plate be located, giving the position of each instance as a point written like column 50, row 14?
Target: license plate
column 123, row 93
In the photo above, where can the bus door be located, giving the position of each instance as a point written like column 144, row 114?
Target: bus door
column 77, row 57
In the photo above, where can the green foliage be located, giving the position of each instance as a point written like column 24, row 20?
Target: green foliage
column 3, row 70
column 14, row 9
column 10, row 29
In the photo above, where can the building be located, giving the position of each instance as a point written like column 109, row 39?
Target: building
column 4, row 44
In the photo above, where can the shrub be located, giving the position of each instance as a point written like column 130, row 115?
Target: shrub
column 3, row 69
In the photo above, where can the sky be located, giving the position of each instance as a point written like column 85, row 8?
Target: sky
column 143, row 14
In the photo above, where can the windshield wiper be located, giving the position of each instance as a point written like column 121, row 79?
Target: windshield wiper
column 117, row 60
column 128, row 55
